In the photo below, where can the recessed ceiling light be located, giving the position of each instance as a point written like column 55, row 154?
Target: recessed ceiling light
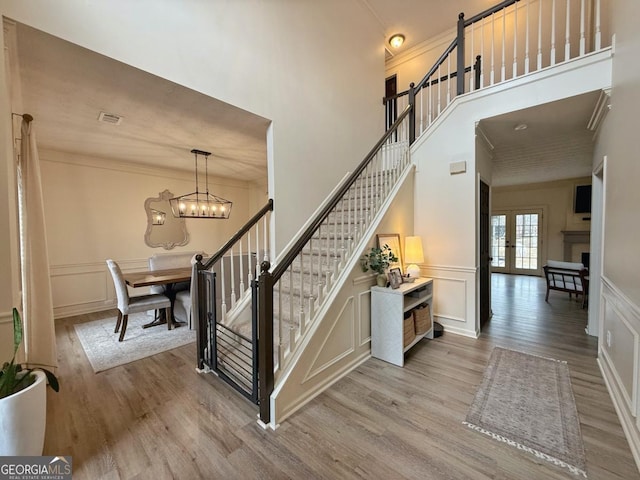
column 396, row 40
column 521, row 126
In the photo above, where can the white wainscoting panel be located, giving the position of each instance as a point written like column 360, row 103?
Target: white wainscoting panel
column 364, row 316
column 622, row 352
column 618, row 357
column 339, row 343
column 77, row 289
column 454, row 298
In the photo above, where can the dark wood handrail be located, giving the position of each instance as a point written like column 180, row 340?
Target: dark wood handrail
column 489, row 11
column 238, row 235
column 439, row 62
column 293, row 252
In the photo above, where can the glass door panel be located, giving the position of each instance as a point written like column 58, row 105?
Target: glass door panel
column 515, row 241
column 498, row 243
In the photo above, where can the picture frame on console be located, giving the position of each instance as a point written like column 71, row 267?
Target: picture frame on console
column 393, row 240
column 395, row 277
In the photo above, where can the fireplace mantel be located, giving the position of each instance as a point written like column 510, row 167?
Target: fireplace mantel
column 572, row 237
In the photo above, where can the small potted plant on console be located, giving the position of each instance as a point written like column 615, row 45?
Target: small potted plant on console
column 378, row 260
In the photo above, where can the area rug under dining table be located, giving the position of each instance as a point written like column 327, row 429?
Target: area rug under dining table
column 104, row 351
column 527, row 402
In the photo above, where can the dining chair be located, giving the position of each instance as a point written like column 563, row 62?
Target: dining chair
column 184, row 299
column 127, row 305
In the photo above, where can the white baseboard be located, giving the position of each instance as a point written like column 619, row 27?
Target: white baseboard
column 457, row 330
column 626, row 420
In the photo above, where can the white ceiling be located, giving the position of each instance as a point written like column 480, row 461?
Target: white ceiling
column 556, row 143
column 420, row 20
column 65, row 87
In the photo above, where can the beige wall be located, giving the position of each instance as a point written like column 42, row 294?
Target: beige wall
column 94, row 210
column 619, row 342
column 287, row 62
column 556, row 199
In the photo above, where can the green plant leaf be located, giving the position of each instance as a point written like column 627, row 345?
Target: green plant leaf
column 17, row 331
column 51, row 378
column 13, row 377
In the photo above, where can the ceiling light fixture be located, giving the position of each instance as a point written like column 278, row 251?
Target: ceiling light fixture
column 396, row 40
column 198, row 204
column 521, row 126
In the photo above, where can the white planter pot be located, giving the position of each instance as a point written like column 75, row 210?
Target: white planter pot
column 23, row 417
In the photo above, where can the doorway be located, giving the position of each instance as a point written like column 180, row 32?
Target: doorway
column 485, row 255
column 391, row 101
column 516, row 240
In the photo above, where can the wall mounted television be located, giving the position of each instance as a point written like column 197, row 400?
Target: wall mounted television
column 582, row 202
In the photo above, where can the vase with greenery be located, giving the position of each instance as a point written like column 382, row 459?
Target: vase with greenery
column 23, row 402
column 378, row 260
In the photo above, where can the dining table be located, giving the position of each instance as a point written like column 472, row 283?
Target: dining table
column 167, row 278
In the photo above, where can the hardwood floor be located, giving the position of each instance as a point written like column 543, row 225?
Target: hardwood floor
column 157, row 418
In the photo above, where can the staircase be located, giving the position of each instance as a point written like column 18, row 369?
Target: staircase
column 258, row 343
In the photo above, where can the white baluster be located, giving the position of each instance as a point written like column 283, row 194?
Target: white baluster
column 493, row 32
column 233, row 279
column 265, row 240
column 515, row 40
column 242, row 286
column 526, row 42
column 449, row 79
column 471, row 60
column 430, row 102
column 503, row 68
column 278, row 318
column 420, row 101
column 301, row 321
column 539, row 56
column 439, row 89
column 258, row 261
column 482, row 53
column 223, row 300
column 252, row 268
column 553, row 33
column 583, row 42
column 567, row 43
column 598, row 44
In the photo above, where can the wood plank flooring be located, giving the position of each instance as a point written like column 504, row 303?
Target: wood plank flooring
column 157, row 418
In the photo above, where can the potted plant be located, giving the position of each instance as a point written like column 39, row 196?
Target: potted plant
column 378, row 260
column 23, row 402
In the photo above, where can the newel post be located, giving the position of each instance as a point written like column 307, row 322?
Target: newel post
column 199, row 310
column 460, row 44
column 265, row 341
column 412, row 115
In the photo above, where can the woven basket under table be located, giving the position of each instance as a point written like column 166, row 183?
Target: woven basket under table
column 408, row 329
column 422, row 319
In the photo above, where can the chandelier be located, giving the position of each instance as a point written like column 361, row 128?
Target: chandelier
column 200, row 204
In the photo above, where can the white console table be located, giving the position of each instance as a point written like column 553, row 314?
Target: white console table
column 387, row 313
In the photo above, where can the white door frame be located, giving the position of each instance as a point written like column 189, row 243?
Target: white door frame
column 598, row 201
column 510, row 232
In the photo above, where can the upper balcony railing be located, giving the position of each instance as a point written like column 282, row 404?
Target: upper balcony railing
column 511, row 39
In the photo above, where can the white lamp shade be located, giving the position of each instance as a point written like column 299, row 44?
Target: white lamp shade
column 413, row 254
column 413, row 250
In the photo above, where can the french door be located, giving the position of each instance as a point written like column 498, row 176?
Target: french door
column 516, row 239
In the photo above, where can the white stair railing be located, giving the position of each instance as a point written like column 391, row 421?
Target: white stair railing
column 510, row 30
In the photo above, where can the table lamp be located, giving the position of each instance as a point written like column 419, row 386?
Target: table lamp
column 412, row 255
